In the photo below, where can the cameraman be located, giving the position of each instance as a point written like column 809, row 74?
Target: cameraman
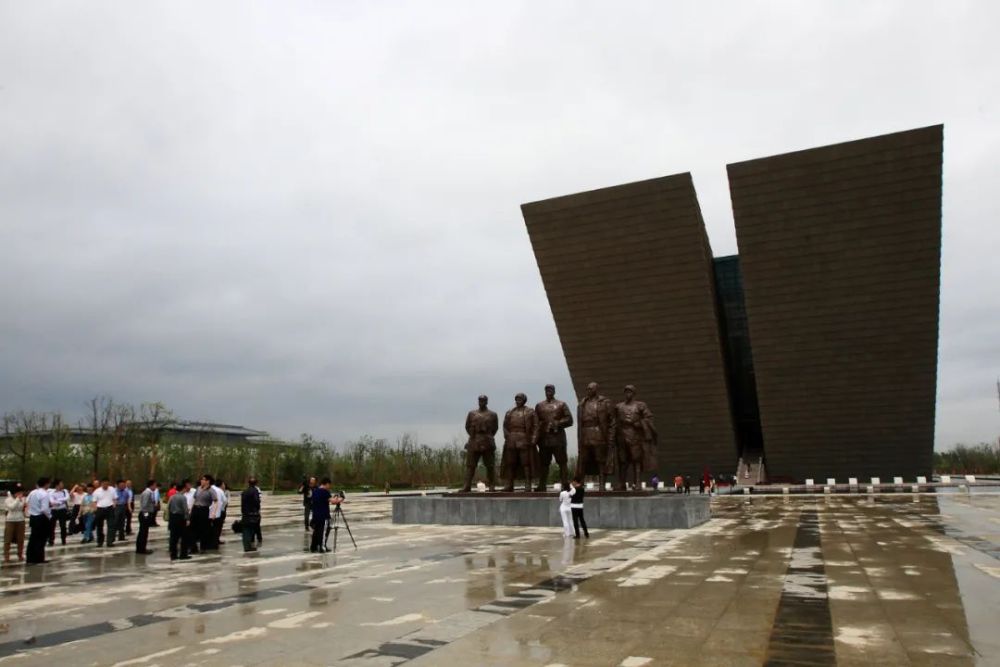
column 322, row 498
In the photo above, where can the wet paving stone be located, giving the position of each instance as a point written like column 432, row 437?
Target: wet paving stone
column 846, row 580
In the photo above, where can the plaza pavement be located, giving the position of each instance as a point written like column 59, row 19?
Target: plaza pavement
column 848, row 580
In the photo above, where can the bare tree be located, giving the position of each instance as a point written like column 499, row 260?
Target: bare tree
column 152, row 419
column 57, row 444
column 122, row 420
column 24, row 431
column 99, row 431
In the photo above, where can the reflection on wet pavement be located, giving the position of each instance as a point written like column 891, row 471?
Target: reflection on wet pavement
column 894, row 580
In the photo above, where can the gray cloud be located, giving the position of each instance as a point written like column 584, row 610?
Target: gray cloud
column 304, row 216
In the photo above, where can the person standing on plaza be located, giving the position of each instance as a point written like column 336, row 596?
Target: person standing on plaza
column 59, row 506
column 250, row 511
column 156, row 501
column 39, row 518
column 201, row 514
column 179, row 521
column 188, row 491
column 88, row 512
column 221, row 492
column 121, row 509
column 105, row 497
column 75, row 499
column 320, row 514
column 148, row 505
column 129, row 506
column 576, row 507
column 566, row 512
column 13, row 530
column 305, row 489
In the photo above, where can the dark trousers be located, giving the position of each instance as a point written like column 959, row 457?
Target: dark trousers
column 305, row 510
column 218, row 525
column 189, row 538
column 179, row 535
column 201, row 527
column 60, row 516
column 128, row 521
column 250, row 530
column 578, row 521
column 40, row 531
column 120, row 514
column 319, row 527
column 105, row 519
column 145, row 521
column 75, row 525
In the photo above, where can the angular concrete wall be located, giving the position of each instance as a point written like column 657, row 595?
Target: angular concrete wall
column 840, row 250
column 628, row 273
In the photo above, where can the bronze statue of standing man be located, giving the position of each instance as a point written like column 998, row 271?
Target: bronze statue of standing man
column 636, row 439
column 481, row 425
column 554, row 418
column 519, row 453
column 595, row 436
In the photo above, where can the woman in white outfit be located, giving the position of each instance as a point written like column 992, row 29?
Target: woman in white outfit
column 566, row 512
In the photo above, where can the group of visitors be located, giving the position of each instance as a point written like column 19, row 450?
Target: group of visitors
column 707, row 482
column 195, row 516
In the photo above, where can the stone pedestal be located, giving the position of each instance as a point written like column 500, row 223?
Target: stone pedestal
column 613, row 511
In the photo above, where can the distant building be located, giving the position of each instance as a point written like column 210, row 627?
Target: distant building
column 814, row 351
column 176, row 432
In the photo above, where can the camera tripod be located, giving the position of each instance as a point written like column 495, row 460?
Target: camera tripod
column 333, row 524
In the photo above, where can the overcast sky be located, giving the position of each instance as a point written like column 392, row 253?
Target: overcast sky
column 304, row 217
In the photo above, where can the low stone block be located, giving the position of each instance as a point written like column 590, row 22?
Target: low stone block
column 646, row 511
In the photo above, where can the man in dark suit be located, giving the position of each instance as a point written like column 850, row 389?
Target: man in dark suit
column 250, row 508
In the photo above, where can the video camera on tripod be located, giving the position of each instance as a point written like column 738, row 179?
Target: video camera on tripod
column 336, row 517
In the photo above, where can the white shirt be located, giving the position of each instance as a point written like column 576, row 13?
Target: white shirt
column 58, row 499
column 574, row 505
column 190, row 498
column 223, row 498
column 218, row 504
column 564, row 501
column 105, row 497
column 76, row 498
column 15, row 509
column 38, row 503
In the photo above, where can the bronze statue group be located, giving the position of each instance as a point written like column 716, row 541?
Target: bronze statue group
column 614, row 441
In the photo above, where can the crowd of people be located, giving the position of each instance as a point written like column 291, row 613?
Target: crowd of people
column 195, row 516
